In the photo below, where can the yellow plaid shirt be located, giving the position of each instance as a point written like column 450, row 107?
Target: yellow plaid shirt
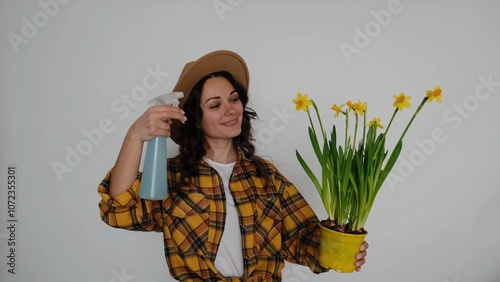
column 276, row 222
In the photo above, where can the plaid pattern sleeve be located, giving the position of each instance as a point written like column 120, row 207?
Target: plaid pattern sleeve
column 301, row 235
column 127, row 210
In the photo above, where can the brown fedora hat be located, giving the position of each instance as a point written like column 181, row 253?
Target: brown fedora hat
column 194, row 71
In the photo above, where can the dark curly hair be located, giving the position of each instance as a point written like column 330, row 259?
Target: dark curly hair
column 193, row 144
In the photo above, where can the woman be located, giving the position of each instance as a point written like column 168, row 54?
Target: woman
column 229, row 215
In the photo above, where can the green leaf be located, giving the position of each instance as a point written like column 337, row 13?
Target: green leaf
column 390, row 162
column 315, row 144
column 347, row 167
column 309, row 172
column 325, row 172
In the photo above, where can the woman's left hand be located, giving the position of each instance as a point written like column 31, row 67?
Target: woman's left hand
column 360, row 257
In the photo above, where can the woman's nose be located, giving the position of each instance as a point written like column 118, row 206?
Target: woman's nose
column 229, row 109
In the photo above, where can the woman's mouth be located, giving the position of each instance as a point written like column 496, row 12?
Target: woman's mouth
column 230, row 123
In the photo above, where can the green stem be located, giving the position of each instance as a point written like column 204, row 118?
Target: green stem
column 413, row 117
column 355, row 131
column 320, row 122
column 364, row 129
column 346, row 128
column 390, row 122
column 310, row 121
column 386, row 130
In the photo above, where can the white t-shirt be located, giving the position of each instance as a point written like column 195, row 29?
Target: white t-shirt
column 229, row 258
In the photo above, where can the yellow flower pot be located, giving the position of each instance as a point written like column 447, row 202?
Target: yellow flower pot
column 338, row 250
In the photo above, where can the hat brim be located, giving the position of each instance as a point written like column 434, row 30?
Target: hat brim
column 194, row 71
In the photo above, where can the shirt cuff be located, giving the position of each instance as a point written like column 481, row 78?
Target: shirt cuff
column 126, row 199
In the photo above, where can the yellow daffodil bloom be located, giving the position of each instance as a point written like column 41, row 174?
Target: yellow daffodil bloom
column 350, row 105
column 402, row 101
column 436, row 93
column 301, row 102
column 337, row 109
column 376, row 121
column 359, row 107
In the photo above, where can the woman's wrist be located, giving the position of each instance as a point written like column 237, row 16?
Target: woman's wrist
column 133, row 139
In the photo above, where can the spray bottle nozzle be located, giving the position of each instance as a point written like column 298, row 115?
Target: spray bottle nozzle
column 171, row 98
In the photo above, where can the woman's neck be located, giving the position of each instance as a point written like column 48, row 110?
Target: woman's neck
column 223, row 153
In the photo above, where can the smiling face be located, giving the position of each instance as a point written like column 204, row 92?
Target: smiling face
column 222, row 110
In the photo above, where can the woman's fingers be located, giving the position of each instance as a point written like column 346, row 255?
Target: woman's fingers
column 364, row 246
column 360, row 257
column 167, row 112
column 161, row 117
column 156, row 121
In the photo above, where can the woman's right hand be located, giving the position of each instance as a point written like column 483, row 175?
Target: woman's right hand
column 155, row 122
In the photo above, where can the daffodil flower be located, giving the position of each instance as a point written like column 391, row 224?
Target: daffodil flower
column 359, row 107
column 376, row 122
column 350, row 105
column 302, row 103
column 337, row 109
column 402, row 101
column 436, row 93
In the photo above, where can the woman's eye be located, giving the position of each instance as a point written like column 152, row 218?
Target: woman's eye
column 214, row 106
column 234, row 97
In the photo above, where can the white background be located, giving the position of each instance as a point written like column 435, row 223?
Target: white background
column 66, row 67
